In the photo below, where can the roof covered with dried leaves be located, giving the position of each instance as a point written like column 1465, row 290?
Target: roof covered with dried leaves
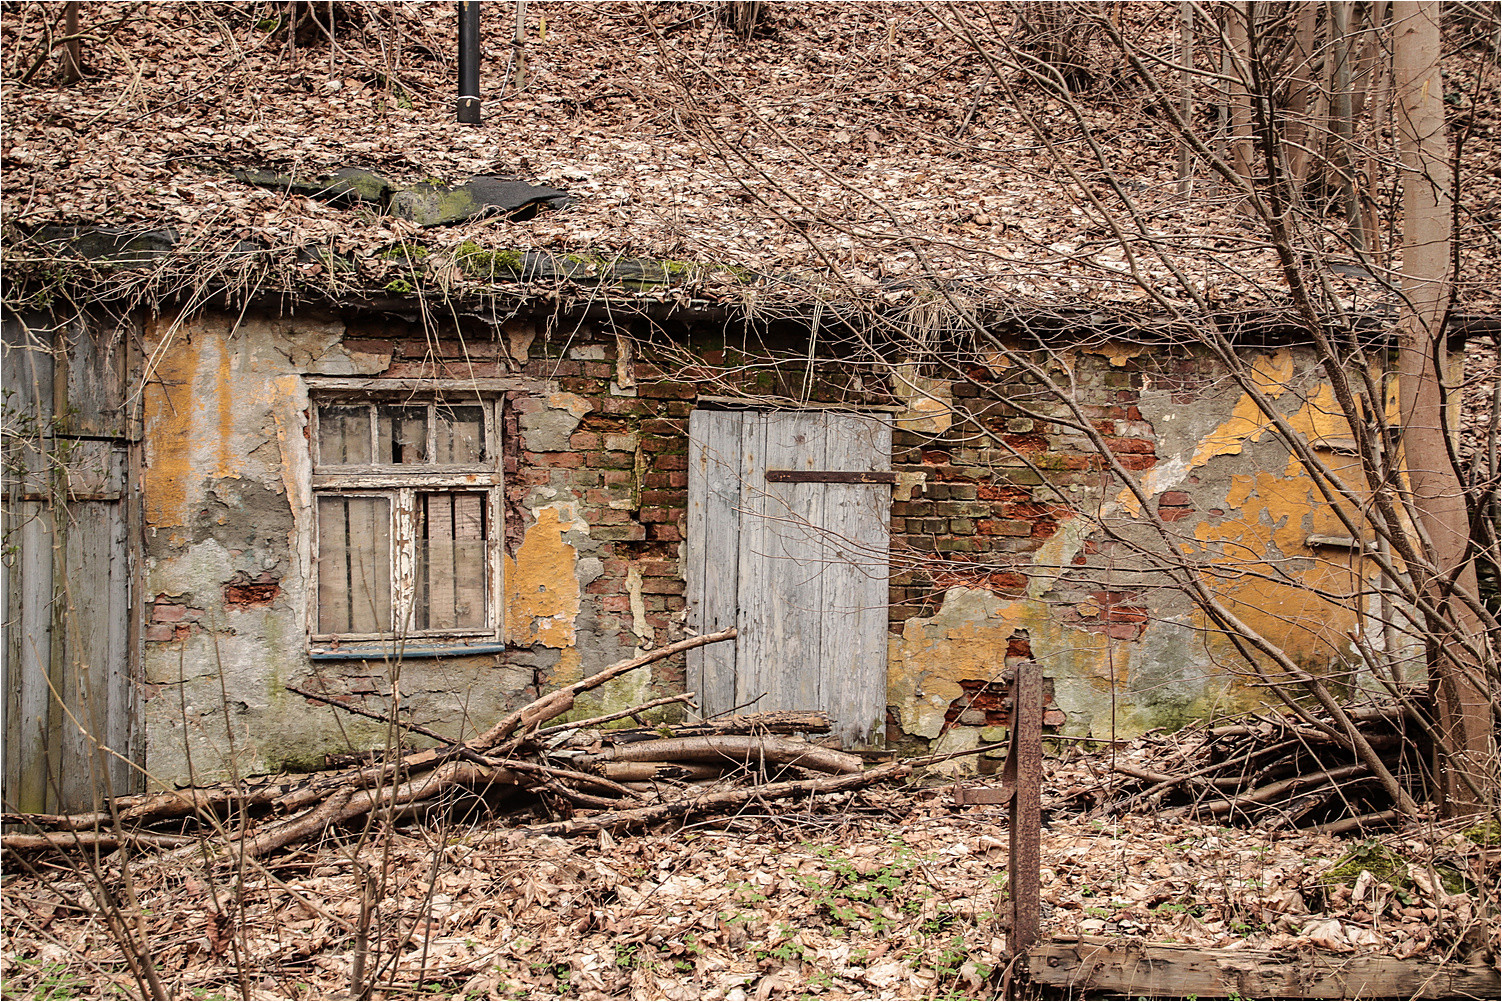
column 843, row 152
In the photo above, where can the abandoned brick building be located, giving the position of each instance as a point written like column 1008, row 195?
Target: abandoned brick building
column 450, row 445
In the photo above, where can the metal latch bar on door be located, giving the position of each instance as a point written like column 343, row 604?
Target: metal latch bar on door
column 830, row 477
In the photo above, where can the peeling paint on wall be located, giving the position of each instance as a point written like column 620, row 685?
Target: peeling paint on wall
column 1165, row 678
column 595, row 500
column 546, row 426
column 542, row 591
column 639, row 626
column 929, row 402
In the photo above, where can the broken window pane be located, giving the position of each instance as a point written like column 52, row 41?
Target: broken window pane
column 401, row 434
column 354, row 565
column 461, row 435
column 451, row 535
column 344, row 435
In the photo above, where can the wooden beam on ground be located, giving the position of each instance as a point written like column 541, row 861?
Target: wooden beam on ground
column 1151, row 970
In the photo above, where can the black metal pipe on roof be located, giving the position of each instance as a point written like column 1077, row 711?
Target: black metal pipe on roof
column 469, row 63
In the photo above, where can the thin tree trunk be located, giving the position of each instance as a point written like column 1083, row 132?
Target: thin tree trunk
column 1435, row 492
column 519, row 45
column 1378, row 80
column 1239, row 15
column 1342, row 124
column 1186, row 98
column 73, row 48
column 1300, row 90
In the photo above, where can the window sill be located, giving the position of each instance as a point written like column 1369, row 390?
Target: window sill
column 387, row 652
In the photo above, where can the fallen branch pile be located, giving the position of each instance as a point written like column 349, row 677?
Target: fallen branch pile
column 588, row 778
column 1272, row 771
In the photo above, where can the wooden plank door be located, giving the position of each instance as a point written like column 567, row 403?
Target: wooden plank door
column 799, row 566
column 68, row 707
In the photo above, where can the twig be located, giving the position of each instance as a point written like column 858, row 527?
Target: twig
column 683, row 697
column 641, row 816
column 361, row 711
column 562, row 700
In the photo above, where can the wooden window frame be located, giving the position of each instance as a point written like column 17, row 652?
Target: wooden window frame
column 401, row 484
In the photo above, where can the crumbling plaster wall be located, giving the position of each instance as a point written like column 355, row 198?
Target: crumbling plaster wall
column 228, row 559
column 591, row 562
column 1124, row 653
column 992, row 560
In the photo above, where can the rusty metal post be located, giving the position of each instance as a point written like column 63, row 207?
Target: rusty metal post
column 1024, row 773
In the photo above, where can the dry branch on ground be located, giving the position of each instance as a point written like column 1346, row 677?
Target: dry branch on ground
column 673, row 772
column 1272, row 771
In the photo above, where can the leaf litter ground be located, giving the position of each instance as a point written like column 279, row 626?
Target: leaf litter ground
column 878, row 893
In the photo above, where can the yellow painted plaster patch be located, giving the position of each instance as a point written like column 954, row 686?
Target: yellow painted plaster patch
column 203, row 387
column 569, row 669
column 1246, row 424
column 224, row 465
column 1321, row 419
column 1288, row 612
column 1271, row 375
column 968, row 640
column 541, row 590
column 168, row 407
column 1243, row 486
column 1318, row 419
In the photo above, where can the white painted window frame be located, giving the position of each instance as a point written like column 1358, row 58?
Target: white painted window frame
column 401, row 483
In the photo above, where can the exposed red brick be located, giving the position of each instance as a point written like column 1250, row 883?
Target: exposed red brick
column 1130, row 445
column 667, row 390
column 556, row 460
column 1001, row 492
column 1026, row 444
column 1004, row 527
column 251, row 595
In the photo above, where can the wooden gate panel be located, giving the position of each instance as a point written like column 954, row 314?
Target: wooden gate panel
column 783, row 567
column 68, row 570
column 797, row 564
column 713, row 551
column 854, row 629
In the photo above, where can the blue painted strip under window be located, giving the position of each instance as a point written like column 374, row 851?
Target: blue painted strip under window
column 392, row 654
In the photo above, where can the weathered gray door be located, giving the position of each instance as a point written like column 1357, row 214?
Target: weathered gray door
column 799, row 567
column 68, row 700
